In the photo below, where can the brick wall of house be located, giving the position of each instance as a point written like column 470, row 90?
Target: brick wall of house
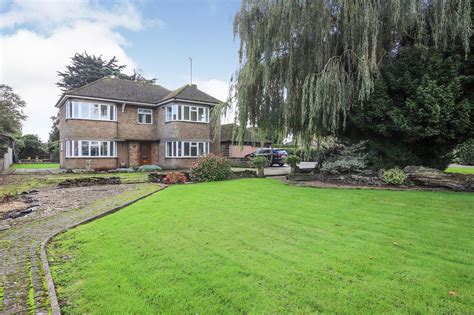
column 126, row 131
column 155, row 148
column 129, row 128
column 133, row 149
column 75, row 163
column 180, row 130
column 123, row 154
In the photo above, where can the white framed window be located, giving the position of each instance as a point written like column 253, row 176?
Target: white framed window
column 179, row 112
column 145, row 116
column 183, row 149
column 92, row 111
column 90, row 148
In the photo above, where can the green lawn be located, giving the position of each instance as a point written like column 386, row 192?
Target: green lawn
column 259, row 246
column 34, row 165
column 461, row 170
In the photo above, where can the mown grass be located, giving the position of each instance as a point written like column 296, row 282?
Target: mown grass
column 259, row 246
column 461, row 170
column 34, row 165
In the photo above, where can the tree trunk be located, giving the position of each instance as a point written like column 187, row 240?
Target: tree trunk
column 429, row 177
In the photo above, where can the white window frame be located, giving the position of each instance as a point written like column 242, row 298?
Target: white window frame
column 175, row 112
column 175, row 149
column 145, row 111
column 71, row 105
column 72, row 145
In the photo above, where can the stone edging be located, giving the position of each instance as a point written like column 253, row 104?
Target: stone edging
column 44, row 259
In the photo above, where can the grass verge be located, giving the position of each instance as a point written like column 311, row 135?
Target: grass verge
column 259, row 246
column 460, row 170
column 34, row 165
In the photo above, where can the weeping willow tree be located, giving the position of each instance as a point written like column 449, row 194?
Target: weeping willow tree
column 304, row 63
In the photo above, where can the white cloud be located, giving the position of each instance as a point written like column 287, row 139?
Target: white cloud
column 217, row 88
column 220, row 90
column 47, row 14
column 30, row 59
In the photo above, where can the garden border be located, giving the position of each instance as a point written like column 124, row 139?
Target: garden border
column 55, row 310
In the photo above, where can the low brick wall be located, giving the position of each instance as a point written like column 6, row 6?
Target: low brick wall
column 239, row 162
column 89, row 181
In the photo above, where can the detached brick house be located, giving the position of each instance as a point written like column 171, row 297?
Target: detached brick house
column 112, row 123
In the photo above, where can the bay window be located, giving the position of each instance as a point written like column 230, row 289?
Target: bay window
column 93, row 111
column 177, row 112
column 186, row 149
column 87, row 148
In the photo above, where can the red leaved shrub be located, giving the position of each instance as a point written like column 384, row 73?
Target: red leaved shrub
column 210, row 168
column 175, row 178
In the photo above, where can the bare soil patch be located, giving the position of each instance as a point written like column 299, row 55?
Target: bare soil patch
column 51, row 201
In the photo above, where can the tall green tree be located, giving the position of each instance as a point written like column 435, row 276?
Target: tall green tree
column 419, row 111
column 53, row 140
column 85, row 68
column 11, row 111
column 304, row 64
column 30, row 146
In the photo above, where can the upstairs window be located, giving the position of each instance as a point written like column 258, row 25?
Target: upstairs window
column 93, row 111
column 187, row 113
column 145, row 116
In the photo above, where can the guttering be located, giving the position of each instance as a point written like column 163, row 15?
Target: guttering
column 185, row 101
column 65, row 96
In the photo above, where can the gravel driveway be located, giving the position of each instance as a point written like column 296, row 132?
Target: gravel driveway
column 21, row 279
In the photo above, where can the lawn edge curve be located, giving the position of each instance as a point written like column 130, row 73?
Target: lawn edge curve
column 54, row 304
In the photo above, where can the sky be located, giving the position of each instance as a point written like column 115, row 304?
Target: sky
column 38, row 38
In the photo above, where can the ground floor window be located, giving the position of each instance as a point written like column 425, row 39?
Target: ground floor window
column 186, row 148
column 91, row 148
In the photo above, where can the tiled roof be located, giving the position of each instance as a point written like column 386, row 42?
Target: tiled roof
column 190, row 92
column 122, row 90
column 137, row 92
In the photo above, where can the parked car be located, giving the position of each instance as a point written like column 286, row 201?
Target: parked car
column 274, row 156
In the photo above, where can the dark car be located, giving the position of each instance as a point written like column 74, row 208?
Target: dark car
column 274, row 156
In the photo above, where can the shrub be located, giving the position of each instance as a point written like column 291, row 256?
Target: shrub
column 210, row 168
column 307, row 155
column 343, row 166
column 149, row 168
column 465, row 153
column 292, row 160
column 394, row 176
column 342, row 160
column 259, row 162
column 175, row 178
column 102, row 169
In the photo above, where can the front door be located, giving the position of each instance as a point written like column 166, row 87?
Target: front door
column 145, row 154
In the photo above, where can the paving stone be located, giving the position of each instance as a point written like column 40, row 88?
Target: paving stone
column 20, row 267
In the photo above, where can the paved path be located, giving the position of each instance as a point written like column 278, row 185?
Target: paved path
column 21, row 278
